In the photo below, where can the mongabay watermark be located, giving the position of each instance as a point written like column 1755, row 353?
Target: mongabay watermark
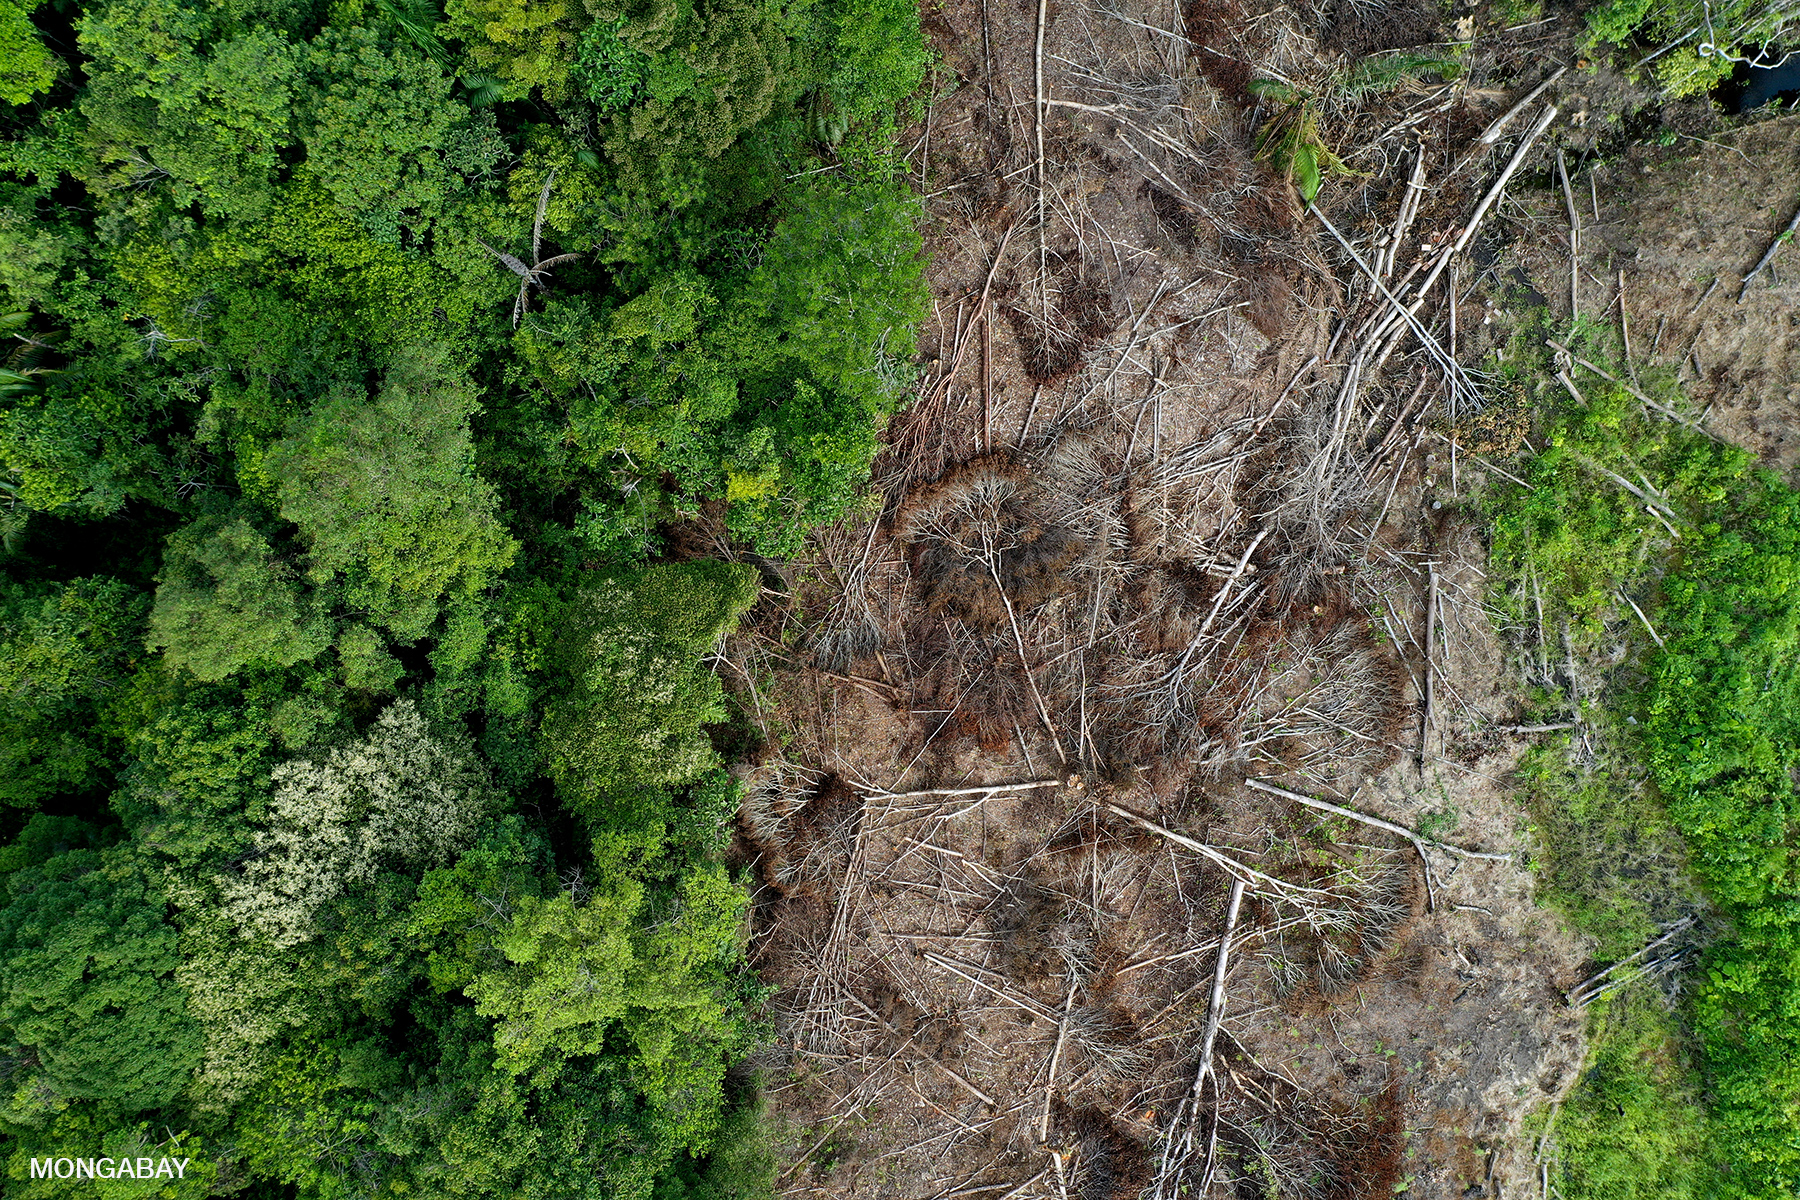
column 109, row 1168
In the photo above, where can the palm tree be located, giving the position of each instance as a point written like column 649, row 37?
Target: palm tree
column 539, row 270
column 20, row 373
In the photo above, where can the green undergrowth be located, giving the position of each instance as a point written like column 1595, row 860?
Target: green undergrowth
column 1611, row 861
column 1689, row 47
column 1636, row 1124
column 1686, row 770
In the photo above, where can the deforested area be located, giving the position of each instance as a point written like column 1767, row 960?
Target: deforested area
column 1224, row 759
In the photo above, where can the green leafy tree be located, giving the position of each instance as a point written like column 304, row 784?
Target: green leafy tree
column 386, row 495
column 641, row 381
column 81, row 445
column 62, row 651
column 200, row 757
column 740, row 1166
column 582, row 975
column 638, row 696
column 1717, row 733
column 842, row 280
column 1636, row 1125
column 528, row 45
column 225, row 601
column 26, row 67
column 31, row 252
column 376, row 129
column 869, row 56
column 90, row 1129
column 360, row 951
column 182, row 96
column 712, row 75
column 86, row 985
column 1701, row 43
column 611, row 71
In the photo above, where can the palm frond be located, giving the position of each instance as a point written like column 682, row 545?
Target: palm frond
column 514, row 265
column 537, row 223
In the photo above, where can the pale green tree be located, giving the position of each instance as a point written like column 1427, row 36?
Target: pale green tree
column 396, row 798
column 639, row 693
column 386, row 494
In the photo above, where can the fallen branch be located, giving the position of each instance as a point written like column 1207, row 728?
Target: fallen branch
column 1062, row 1033
column 1172, row 956
column 1216, row 1009
column 995, row 788
column 1494, row 192
column 1038, row 129
column 813, row 1149
column 1178, row 1139
column 1459, row 378
column 1492, row 133
column 1562, row 171
column 1655, row 502
column 1012, row 619
column 1443, row 260
column 1769, row 255
column 1476, row 458
column 1660, row 967
column 1575, row 993
column 1026, row 1186
column 1648, row 628
column 1375, row 822
column 1431, row 611
column 1409, row 208
column 1219, row 601
column 1215, row 1013
column 1282, row 399
column 1230, row 865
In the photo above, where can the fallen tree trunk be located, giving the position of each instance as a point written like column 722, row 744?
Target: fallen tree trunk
column 1375, row 822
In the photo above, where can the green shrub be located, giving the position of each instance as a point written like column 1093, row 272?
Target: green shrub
column 1703, row 41
column 1718, row 739
column 1635, row 1127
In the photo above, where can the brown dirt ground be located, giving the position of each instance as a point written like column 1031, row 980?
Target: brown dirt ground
column 999, row 992
column 1682, row 225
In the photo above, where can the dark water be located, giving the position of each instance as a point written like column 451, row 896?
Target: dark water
column 1762, row 85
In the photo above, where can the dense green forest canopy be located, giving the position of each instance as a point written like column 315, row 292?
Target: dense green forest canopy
column 360, row 829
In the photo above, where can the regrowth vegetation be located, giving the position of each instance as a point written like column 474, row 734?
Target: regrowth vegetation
column 361, row 828
column 1626, row 506
column 1691, row 46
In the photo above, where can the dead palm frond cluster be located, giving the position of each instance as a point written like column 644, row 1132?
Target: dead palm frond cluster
column 537, row 274
column 1138, row 616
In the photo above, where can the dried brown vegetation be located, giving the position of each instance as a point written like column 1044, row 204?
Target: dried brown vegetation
column 1155, row 532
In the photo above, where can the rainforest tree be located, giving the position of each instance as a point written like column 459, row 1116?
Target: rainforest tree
column 360, row 828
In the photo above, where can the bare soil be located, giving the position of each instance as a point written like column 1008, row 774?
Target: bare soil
column 1160, row 545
